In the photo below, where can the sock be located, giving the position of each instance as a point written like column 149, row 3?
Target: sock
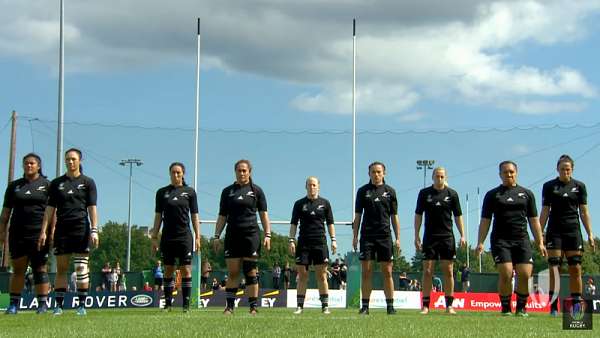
column 253, row 302
column 426, row 301
column 230, row 296
column 449, row 301
column 81, row 295
column 300, row 301
column 522, row 301
column 365, row 303
column 554, row 303
column 186, row 290
column 60, row 296
column 389, row 302
column 505, row 302
column 168, row 288
column 14, row 298
column 324, row 300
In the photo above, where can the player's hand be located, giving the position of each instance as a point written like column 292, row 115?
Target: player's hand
column 198, row 243
column 479, row 248
column 154, row 244
column 463, row 242
column 397, row 244
column 94, row 239
column 292, row 248
column 41, row 241
column 333, row 247
column 216, row 244
column 355, row 243
column 418, row 245
column 267, row 243
column 592, row 242
column 542, row 249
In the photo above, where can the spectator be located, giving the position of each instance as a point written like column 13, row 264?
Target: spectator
column 224, row 281
column 122, row 284
column 242, row 285
column 537, row 290
column 206, row 271
column 464, row 278
column 590, row 288
column 147, row 287
column 215, row 285
column 437, row 284
column 276, row 275
column 119, row 275
column 106, row 271
column 335, row 274
column 343, row 275
column 99, row 288
column 287, row 275
column 112, row 280
column 29, row 280
column 403, row 282
column 158, row 276
column 133, row 288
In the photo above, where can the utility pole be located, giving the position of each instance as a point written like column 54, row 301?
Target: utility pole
column 11, row 176
column 138, row 163
column 424, row 165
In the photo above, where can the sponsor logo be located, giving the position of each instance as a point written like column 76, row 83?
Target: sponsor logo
column 305, row 207
column 70, row 192
column 17, row 188
column 438, row 204
column 577, row 315
column 565, row 195
column 141, row 300
column 41, row 188
column 509, row 199
column 28, row 192
column 231, row 193
column 574, row 189
column 376, row 199
column 312, row 213
column 80, row 186
column 385, row 194
column 61, row 186
column 250, row 193
column 175, row 198
column 447, row 199
column 320, row 207
column 241, row 197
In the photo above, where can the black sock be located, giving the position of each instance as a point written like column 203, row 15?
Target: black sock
column 449, row 301
column 300, row 301
column 522, row 301
column 60, row 296
column 14, row 298
column 389, row 302
column 324, row 300
column 81, row 295
column 426, row 301
column 554, row 302
column 505, row 302
column 253, row 302
column 365, row 303
column 169, row 285
column 186, row 290
column 230, row 296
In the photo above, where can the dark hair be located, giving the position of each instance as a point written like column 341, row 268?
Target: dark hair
column 38, row 160
column 247, row 162
column 80, row 157
column 377, row 163
column 565, row 158
column 506, row 162
column 178, row 164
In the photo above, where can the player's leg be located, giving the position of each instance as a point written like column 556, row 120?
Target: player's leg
column 427, row 276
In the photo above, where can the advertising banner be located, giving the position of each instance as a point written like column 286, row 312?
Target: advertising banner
column 337, row 299
column 99, row 300
column 487, row 302
column 402, row 300
column 266, row 298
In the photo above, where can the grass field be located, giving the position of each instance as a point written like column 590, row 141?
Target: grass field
column 281, row 323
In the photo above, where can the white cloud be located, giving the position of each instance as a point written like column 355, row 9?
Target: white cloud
column 408, row 51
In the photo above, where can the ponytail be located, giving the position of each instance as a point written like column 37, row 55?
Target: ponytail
column 179, row 164
column 80, row 157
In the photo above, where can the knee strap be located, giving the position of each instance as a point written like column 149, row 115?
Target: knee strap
column 81, row 269
column 248, row 267
column 40, row 277
column 554, row 261
column 574, row 260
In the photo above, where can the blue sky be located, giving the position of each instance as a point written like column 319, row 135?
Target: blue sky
column 275, row 88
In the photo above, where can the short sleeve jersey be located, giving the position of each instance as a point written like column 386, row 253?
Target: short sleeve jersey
column 377, row 204
column 438, row 206
column 28, row 200
column 175, row 204
column 313, row 216
column 239, row 204
column 71, row 197
column 510, row 208
column 564, row 200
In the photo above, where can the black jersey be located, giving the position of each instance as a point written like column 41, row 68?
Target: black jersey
column 438, row 206
column 376, row 204
column 313, row 216
column 71, row 197
column 510, row 207
column 239, row 204
column 28, row 200
column 175, row 204
column 564, row 200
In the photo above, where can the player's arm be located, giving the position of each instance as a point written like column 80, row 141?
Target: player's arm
column 266, row 224
column 484, row 228
column 418, row 222
column 586, row 219
column 355, row 228
column 544, row 214
column 4, row 217
column 458, row 220
column 536, row 230
column 196, row 226
column 47, row 225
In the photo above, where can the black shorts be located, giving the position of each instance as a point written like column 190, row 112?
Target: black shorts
column 515, row 251
column 439, row 249
column 242, row 245
column 158, row 281
column 564, row 241
column 380, row 249
column 181, row 251
column 311, row 254
column 20, row 247
column 72, row 244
